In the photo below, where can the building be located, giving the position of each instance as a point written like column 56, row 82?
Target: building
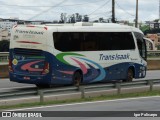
column 153, row 25
column 150, row 44
column 5, row 28
column 155, row 38
column 4, row 35
column 7, row 24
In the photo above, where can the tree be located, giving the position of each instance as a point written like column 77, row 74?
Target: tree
column 156, row 20
column 145, row 28
column 152, row 31
column 4, row 46
column 63, row 18
column 73, row 18
column 96, row 21
column 86, row 18
column 101, row 20
column 78, row 17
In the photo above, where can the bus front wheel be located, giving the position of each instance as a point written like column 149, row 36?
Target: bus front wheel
column 77, row 78
column 130, row 75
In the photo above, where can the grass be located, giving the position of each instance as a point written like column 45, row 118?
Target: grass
column 89, row 99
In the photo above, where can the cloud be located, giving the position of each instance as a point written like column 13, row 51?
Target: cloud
column 51, row 9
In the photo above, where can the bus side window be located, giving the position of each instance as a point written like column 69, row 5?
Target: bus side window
column 90, row 42
column 116, row 44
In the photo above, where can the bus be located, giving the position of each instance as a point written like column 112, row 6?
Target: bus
column 80, row 53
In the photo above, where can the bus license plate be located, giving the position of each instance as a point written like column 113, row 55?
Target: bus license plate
column 27, row 78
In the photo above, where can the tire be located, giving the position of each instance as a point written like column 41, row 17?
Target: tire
column 77, row 79
column 130, row 76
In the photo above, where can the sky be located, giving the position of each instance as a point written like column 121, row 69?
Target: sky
column 50, row 10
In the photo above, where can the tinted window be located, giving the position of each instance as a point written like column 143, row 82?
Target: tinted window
column 93, row 41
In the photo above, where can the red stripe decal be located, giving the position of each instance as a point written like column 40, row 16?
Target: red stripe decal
column 30, row 26
column 28, row 42
column 45, row 28
column 15, row 26
column 29, row 68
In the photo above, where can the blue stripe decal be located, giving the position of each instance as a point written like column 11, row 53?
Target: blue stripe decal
column 102, row 71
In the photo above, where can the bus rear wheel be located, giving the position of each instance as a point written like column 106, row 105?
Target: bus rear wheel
column 77, row 79
column 130, row 75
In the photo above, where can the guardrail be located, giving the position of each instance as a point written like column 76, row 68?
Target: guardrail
column 153, row 53
column 83, row 90
column 4, row 56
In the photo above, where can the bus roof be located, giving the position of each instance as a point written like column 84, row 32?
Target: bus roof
column 86, row 27
column 98, row 26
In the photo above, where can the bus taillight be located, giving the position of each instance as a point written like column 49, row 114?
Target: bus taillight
column 46, row 68
column 10, row 66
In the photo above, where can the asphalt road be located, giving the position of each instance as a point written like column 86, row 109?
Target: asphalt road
column 5, row 83
column 130, row 104
column 143, row 105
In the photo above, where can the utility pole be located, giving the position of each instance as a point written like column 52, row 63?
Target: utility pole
column 136, row 20
column 113, row 11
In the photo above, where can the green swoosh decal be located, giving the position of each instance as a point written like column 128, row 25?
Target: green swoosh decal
column 61, row 55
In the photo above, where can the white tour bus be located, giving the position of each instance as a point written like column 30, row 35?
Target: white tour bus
column 77, row 53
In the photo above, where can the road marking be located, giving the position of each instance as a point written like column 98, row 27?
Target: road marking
column 83, row 103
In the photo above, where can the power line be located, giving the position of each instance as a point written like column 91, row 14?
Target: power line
column 124, row 10
column 48, row 9
column 100, row 15
column 27, row 13
column 99, row 7
column 8, row 5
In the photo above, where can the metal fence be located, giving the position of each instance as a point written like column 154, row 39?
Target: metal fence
column 153, row 54
column 83, row 91
column 4, row 56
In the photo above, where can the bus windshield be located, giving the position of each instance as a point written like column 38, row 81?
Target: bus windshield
column 141, row 43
